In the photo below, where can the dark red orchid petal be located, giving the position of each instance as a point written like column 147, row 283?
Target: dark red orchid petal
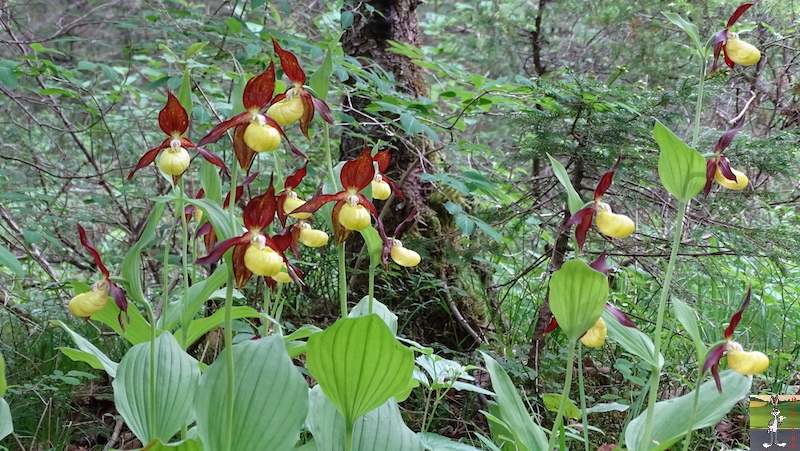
column 149, row 157
column 283, row 240
column 239, row 190
column 296, row 274
column 727, row 137
column 244, row 154
column 289, row 64
column 316, row 202
column 362, row 200
column 620, row 316
column 204, row 229
column 323, row 110
column 271, row 283
column 278, row 98
column 724, row 166
column 605, row 180
column 382, row 158
column 260, row 211
column 340, row 233
column 600, row 264
column 711, row 170
column 93, row 251
column 552, row 326
column 410, row 218
column 118, row 294
column 308, row 112
column 395, row 188
column 216, row 133
column 173, row 118
column 282, row 216
column 212, row 158
column 218, row 250
column 240, row 271
column 259, row 90
column 712, row 363
column 357, row 174
column 293, row 181
column 738, row 13
column 718, row 45
column 295, row 244
column 738, row 315
column 583, row 218
column 729, row 61
column 271, row 122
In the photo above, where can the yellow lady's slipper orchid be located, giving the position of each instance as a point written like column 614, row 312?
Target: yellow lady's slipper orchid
column 746, row 362
column 283, row 276
column 91, row 302
column 312, row 237
column 292, row 202
column 261, row 136
column 261, row 260
column 354, row 217
column 174, row 161
column 287, row 111
column 612, row 224
column 402, row 256
column 741, row 52
column 380, row 189
column 596, row 336
column 740, row 183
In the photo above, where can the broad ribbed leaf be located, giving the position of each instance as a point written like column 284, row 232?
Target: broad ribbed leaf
column 577, row 297
column 270, row 399
column 184, row 445
column 175, row 384
column 359, row 365
column 199, row 294
column 527, row 435
column 3, row 384
column 137, row 329
column 439, row 443
column 130, row 269
column 381, row 428
column 362, row 309
column 687, row 316
column 633, row 340
column 10, row 262
column 320, row 80
column 671, row 417
column 219, row 218
column 201, row 326
column 84, row 345
column 6, row 426
column 682, row 169
column 211, row 182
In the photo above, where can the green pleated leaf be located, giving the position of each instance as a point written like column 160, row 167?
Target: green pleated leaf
column 130, row 269
column 374, row 245
column 185, row 92
column 201, row 326
column 81, row 356
column 320, row 80
column 3, row 384
column 573, row 198
column 270, row 399
column 219, row 218
column 514, row 417
column 578, row 296
column 184, row 445
column 6, row 426
column 381, row 428
column 362, row 309
column 552, row 401
column 436, row 442
column 682, row 169
column 137, row 329
column 84, row 345
column 671, row 417
column 10, row 262
column 199, row 294
column 176, row 379
column 633, row 340
column 359, row 365
column 210, row 181
column 686, row 315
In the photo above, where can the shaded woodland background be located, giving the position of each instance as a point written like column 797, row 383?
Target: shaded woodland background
column 470, row 95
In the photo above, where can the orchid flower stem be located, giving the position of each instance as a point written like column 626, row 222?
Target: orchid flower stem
column 328, row 157
column 436, row 401
column 348, row 438
column 693, row 416
column 152, row 375
column 342, row 282
column 228, row 321
column 662, row 304
column 371, row 288
column 278, row 309
column 565, row 395
column 425, row 411
column 698, row 109
column 185, row 317
column 583, row 397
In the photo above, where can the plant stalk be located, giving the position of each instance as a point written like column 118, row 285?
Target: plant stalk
column 693, row 416
column 228, row 327
column 582, row 390
column 564, row 396
column 342, row 282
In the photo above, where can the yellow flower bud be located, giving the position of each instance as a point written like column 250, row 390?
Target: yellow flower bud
column 740, row 183
column 91, row 302
column 380, row 190
column 262, row 137
column 283, row 276
column 741, row 52
column 612, row 224
column 312, row 237
column 596, row 336
column 287, row 111
column 354, row 217
column 402, row 256
column 746, row 362
column 262, row 260
column 292, row 202
column 174, row 160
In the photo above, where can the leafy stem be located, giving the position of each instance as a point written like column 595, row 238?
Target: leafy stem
column 564, row 396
